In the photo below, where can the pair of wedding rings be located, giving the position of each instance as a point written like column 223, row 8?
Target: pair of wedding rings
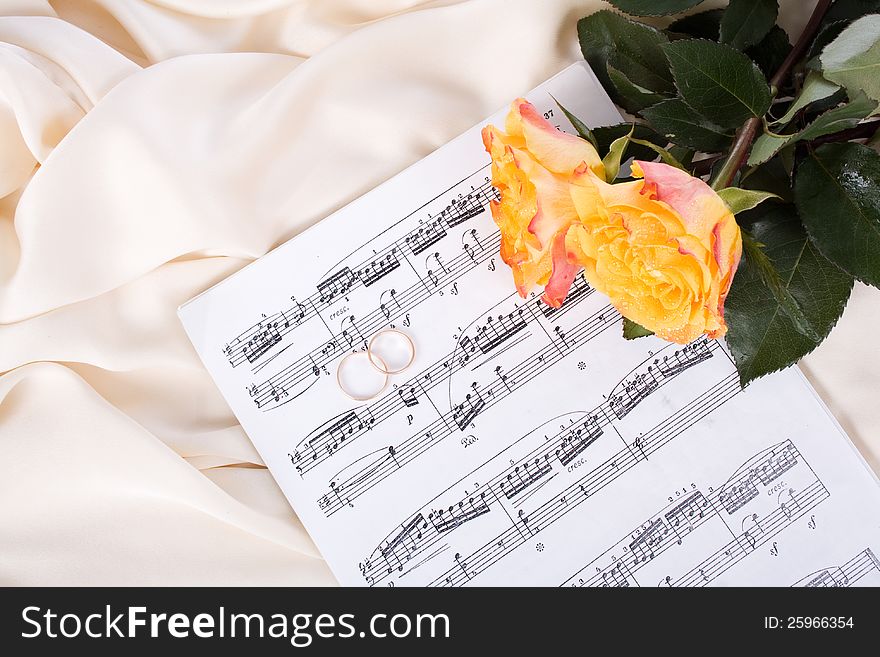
column 377, row 363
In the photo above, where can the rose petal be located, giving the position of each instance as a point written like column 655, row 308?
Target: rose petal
column 705, row 214
column 560, row 152
column 563, row 274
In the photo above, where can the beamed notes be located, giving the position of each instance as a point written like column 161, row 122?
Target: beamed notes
column 526, row 444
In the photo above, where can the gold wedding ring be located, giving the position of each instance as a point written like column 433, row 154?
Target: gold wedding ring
column 350, row 394
column 375, row 357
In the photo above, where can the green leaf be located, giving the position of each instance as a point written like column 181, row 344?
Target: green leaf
column 761, row 335
column 635, row 47
column 611, row 161
column 826, row 35
column 632, row 97
column 682, row 125
column 835, row 120
column 852, row 60
column 618, row 148
column 665, row 155
column 772, row 177
column 815, row 88
column 632, row 330
column 719, row 82
column 702, row 25
column 746, row 22
column 851, row 9
column 684, row 155
column 653, row 7
column 740, row 200
column 648, row 75
column 606, row 135
column 766, row 146
column 837, row 192
column 583, row 131
column 772, row 280
column 771, row 51
column 839, row 118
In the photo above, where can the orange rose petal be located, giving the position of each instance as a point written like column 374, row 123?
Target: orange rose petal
column 563, row 274
column 560, row 152
column 663, row 249
column 704, row 213
column 555, row 208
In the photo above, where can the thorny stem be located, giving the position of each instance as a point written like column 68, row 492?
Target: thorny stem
column 746, row 134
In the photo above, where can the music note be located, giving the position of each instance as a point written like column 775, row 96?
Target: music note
column 515, row 449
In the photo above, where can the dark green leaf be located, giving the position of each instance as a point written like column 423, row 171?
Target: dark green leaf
column 719, row 82
column 631, row 330
column 813, row 110
column 761, row 335
column 851, row 9
column 646, row 74
column 639, row 46
column 772, row 177
column 772, row 280
column 583, row 131
column 605, row 136
column 631, row 97
column 682, row 125
column 684, row 155
column 746, row 22
column 837, row 191
column 654, row 7
column 703, row 25
column 771, row 51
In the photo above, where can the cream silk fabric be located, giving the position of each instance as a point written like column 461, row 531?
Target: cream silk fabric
column 150, row 149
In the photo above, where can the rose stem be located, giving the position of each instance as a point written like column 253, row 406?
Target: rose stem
column 746, row 134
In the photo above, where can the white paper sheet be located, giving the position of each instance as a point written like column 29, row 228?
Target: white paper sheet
column 525, row 445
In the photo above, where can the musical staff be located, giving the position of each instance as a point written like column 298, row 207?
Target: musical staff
column 262, row 341
column 845, row 575
column 439, row 372
column 367, row 273
column 302, row 369
column 741, row 489
column 368, row 476
column 579, row 489
column 671, row 527
column 526, row 444
column 580, row 289
column 633, row 390
column 496, row 332
column 379, row 269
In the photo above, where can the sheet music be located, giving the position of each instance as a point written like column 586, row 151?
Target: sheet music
column 525, row 445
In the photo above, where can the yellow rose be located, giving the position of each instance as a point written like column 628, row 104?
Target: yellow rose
column 664, row 249
column 533, row 165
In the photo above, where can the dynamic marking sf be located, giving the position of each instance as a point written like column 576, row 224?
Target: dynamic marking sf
column 299, row 629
